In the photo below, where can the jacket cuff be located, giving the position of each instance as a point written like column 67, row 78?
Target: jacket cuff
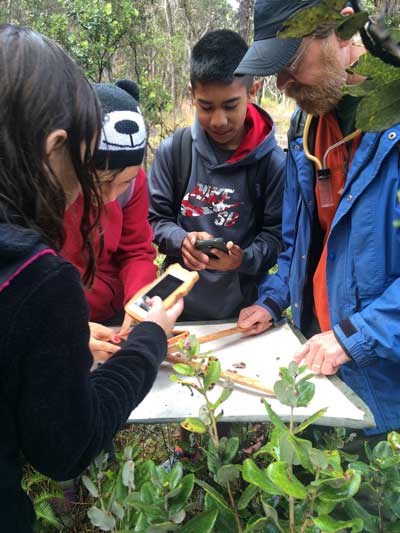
column 271, row 306
column 153, row 337
column 353, row 343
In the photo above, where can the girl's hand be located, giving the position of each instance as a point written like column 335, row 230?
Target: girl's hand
column 164, row 318
column 102, row 342
column 126, row 326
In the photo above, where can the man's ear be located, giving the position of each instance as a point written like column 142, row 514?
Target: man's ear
column 254, row 88
column 55, row 140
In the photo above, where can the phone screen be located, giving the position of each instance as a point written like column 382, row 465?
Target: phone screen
column 163, row 289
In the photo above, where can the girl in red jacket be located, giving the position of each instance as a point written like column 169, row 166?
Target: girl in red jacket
column 123, row 241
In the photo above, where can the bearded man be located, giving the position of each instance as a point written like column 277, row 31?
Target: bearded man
column 340, row 265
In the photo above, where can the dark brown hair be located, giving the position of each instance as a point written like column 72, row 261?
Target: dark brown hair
column 43, row 89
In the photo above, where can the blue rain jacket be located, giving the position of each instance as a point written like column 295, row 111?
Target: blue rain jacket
column 363, row 267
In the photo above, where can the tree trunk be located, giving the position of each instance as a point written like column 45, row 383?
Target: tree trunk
column 245, row 18
column 172, row 67
column 389, row 8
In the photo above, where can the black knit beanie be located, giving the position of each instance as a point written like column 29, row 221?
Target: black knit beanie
column 123, row 135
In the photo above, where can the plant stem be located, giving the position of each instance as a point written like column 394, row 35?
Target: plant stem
column 310, row 511
column 235, row 511
column 291, row 499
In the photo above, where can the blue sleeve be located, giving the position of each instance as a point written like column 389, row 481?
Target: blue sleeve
column 167, row 234
column 273, row 292
column 263, row 251
column 375, row 331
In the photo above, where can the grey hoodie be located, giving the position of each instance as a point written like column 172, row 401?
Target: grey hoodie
column 220, row 199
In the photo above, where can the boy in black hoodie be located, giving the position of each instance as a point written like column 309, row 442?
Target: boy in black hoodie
column 233, row 190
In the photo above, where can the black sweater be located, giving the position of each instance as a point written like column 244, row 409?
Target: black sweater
column 52, row 409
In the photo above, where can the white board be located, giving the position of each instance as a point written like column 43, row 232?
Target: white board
column 263, row 355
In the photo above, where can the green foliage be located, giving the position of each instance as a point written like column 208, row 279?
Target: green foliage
column 43, row 493
column 380, row 94
column 138, row 494
column 379, row 107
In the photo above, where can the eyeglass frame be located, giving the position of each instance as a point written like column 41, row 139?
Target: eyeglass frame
column 299, row 56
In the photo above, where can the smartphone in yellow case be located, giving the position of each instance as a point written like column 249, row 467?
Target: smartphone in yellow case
column 174, row 283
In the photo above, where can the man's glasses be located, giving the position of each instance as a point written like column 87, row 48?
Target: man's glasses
column 298, row 58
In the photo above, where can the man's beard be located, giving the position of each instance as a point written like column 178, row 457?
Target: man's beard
column 324, row 95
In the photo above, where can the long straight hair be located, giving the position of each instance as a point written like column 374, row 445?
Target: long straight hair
column 42, row 89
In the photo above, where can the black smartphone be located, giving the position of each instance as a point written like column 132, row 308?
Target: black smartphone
column 206, row 245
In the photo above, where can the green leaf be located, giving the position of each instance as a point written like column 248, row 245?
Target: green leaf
column 330, row 525
column 301, row 450
column 246, row 496
column 175, row 475
column 128, row 474
column 306, row 391
column 183, row 369
column 228, row 473
column 216, row 497
column 334, row 463
column 253, row 474
column 380, row 110
column 101, row 519
column 394, row 437
column 108, row 8
column 226, row 392
column 274, row 418
column 352, row 24
column 212, row 374
column 307, row 20
column 91, row 487
column 118, row 510
column 225, row 519
column 353, row 508
column 338, row 489
column 271, row 514
column 194, row 425
column 279, row 473
column 201, row 523
column 184, row 493
column 318, row 459
column 228, row 449
column 261, row 525
column 313, row 418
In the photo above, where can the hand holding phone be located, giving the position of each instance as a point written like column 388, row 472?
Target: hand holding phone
column 206, row 245
column 175, row 283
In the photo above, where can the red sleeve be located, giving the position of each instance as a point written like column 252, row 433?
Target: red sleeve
column 136, row 252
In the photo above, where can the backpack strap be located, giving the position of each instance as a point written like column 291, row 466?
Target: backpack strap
column 182, row 164
column 257, row 185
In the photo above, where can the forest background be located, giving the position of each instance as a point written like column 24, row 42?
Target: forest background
column 150, row 42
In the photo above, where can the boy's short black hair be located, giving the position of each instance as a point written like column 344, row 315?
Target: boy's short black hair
column 215, row 57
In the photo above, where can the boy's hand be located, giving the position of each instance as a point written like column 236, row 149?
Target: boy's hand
column 194, row 259
column 322, row 354
column 254, row 318
column 102, row 342
column 230, row 261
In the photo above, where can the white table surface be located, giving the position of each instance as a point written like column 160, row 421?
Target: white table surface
column 263, row 355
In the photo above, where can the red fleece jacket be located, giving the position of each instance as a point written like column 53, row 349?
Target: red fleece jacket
column 125, row 264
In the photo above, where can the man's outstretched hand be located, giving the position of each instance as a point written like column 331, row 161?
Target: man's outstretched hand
column 322, row 354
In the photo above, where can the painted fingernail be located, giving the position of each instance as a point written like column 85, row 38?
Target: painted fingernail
column 116, row 338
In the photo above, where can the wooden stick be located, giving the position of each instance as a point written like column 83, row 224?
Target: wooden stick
column 235, row 378
column 220, row 334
